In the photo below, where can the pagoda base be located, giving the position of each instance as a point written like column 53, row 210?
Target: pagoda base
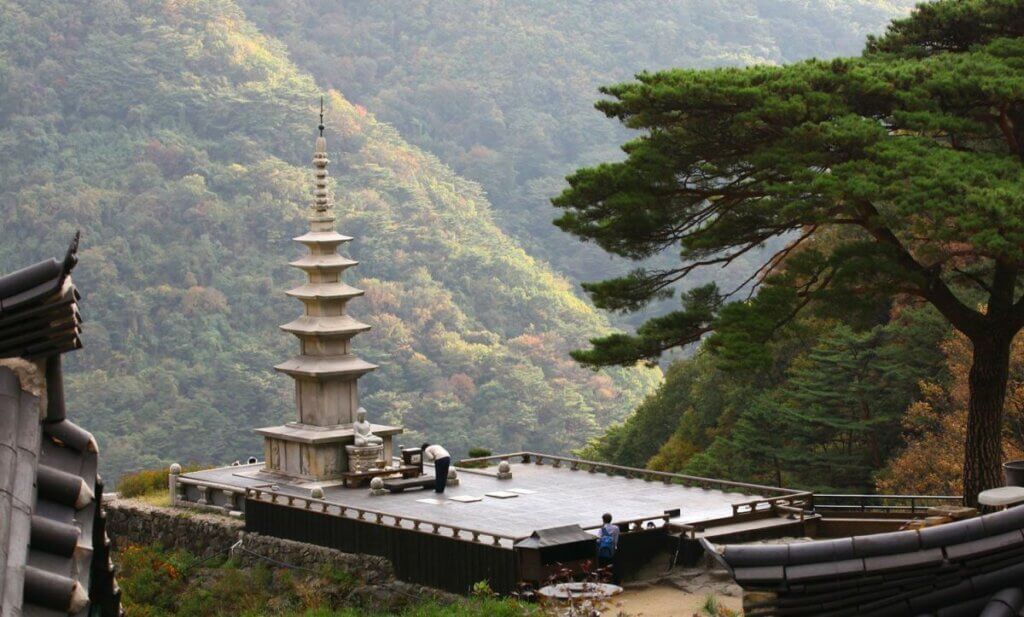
column 364, row 458
column 315, row 453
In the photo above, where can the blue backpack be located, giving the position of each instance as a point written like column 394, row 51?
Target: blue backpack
column 606, row 545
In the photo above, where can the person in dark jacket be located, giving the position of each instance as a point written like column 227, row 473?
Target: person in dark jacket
column 442, row 460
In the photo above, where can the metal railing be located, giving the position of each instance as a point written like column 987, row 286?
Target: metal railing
column 634, row 524
column 577, row 464
column 465, row 534
column 911, row 504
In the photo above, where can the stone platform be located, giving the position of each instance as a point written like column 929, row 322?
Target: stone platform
column 536, row 497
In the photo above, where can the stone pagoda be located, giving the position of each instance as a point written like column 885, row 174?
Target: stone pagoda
column 326, row 372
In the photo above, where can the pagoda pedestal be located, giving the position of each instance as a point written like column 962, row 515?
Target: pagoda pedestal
column 313, row 453
column 326, row 372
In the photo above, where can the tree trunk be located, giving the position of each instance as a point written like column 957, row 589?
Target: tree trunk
column 983, row 455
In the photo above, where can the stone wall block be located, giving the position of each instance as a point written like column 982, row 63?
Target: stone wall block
column 206, row 535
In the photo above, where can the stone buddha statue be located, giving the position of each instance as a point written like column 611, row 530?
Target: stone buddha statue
column 363, row 433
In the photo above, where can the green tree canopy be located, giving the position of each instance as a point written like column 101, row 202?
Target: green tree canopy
column 896, row 172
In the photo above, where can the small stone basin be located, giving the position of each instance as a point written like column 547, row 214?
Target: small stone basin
column 578, row 591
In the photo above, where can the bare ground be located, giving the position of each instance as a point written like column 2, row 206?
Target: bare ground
column 665, row 600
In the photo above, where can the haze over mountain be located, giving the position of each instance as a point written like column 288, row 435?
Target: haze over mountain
column 503, row 91
column 177, row 138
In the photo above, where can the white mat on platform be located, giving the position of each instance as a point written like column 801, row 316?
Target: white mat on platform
column 503, row 494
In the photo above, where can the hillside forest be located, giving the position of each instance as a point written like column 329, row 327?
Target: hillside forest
column 177, row 135
column 503, row 91
column 178, row 139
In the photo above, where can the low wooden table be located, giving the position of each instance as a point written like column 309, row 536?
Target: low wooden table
column 355, row 479
column 398, row 485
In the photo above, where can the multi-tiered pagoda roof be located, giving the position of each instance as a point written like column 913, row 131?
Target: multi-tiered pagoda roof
column 326, row 370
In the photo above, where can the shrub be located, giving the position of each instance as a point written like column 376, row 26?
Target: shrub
column 151, row 577
column 149, row 480
column 477, row 453
column 712, row 608
column 482, row 589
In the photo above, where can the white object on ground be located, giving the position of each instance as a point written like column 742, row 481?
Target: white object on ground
column 1002, row 496
column 503, row 494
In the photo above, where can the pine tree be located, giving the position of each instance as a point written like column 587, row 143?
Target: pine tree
column 896, row 172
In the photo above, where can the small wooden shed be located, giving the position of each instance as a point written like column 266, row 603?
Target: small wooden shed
column 546, row 550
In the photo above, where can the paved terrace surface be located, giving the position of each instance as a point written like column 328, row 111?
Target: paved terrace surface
column 560, row 496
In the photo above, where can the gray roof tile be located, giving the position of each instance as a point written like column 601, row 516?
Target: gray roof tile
column 951, row 570
column 50, row 516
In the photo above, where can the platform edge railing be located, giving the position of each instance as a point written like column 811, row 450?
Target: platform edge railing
column 894, row 503
column 578, row 464
column 367, row 515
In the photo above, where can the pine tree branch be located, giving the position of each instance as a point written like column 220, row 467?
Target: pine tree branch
column 1009, row 134
column 931, row 286
column 771, row 265
column 980, row 282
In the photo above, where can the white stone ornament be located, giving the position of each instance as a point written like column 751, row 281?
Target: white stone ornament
column 504, row 470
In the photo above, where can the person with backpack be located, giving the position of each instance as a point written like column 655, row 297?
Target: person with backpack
column 607, row 546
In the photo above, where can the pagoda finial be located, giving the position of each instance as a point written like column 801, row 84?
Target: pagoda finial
column 321, row 196
column 321, row 127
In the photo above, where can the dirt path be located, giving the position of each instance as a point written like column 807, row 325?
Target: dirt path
column 668, row 601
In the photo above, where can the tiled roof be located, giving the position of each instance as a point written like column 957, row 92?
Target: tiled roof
column 54, row 552
column 961, row 569
column 38, row 309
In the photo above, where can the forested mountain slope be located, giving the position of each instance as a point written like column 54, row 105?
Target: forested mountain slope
column 503, row 91
column 178, row 139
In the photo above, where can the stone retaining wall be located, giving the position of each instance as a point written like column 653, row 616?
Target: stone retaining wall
column 205, row 535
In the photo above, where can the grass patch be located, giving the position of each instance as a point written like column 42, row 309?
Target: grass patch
column 160, row 499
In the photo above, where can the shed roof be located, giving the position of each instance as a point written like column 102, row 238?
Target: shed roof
column 556, row 536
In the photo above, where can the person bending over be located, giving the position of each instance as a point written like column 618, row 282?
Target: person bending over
column 442, row 460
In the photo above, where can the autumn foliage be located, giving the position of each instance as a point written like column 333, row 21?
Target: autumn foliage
column 936, row 427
